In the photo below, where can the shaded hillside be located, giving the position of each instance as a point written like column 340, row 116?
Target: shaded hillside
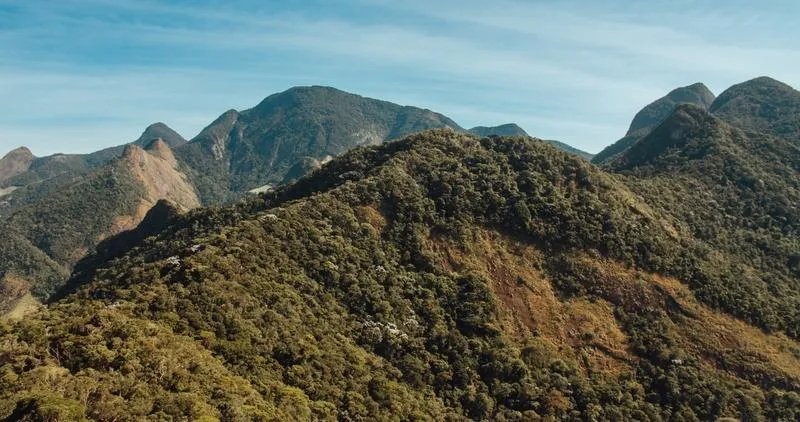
column 244, row 150
column 761, row 105
column 70, row 221
column 736, row 193
column 653, row 114
column 441, row 277
column 22, row 261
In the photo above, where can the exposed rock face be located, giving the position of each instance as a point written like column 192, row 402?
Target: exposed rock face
column 156, row 168
column 15, row 163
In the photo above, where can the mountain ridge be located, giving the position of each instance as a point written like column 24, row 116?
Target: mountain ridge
column 439, row 276
column 653, row 114
column 240, row 151
column 69, row 223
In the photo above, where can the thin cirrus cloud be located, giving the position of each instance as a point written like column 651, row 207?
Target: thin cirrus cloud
column 86, row 74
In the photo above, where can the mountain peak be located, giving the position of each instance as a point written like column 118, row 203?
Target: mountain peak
column 655, row 112
column 508, row 129
column 17, row 161
column 160, row 148
column 761, row 104
column 687, row 121
column 162, row 131
column 21, row 151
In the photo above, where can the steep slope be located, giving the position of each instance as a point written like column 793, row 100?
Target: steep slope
column 761, row 105
column 736, row 193
column 244, row 150
column 45, row 175
column 70, row 222
column 441, row 277
column 15, row 162
column 653, row 114
column 24, row 267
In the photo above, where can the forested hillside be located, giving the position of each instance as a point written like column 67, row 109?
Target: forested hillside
column 761, row 105
column 735, row 194
column 440, row 277
column 241, row 151
column 48, row 236
column 653, row 114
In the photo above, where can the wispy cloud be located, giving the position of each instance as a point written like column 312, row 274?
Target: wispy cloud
column 574, row 71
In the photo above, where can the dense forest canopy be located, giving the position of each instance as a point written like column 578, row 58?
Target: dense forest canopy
column 440, row 277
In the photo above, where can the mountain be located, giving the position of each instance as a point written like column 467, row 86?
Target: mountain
column 160, row 131
column 570, row 149
column 735, row 193
column 244, row 150
column 68, row 166
column 653, row 114
column 45, row 176
column 439, row 277
column 15, row 162
column 761, row 105
column 24, row 267
column 508, row 129
column 70, row 221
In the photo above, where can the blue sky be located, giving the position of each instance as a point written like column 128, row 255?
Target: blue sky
column 78, row 75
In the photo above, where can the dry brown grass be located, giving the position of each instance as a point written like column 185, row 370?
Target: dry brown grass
column 718, row 339
column 587, row 331
column 530, row 307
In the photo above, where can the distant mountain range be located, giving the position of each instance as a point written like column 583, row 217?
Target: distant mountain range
column 443, row 275
column 284, row 137
column 760, row 105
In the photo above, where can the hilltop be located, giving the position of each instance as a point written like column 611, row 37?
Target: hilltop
column 735, row 193
column 508, row 129
column 512, row 129
column 653, row 114
column 761, row 105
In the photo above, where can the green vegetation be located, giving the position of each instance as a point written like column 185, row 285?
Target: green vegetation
column 651, row 116
column 508, row 129
column 357, row 294
column 761, row 105
column 52, row 234
column 734, row 194
column 18, row 257
column 244, row 150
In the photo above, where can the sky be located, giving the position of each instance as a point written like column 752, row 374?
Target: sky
column 80, row 75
